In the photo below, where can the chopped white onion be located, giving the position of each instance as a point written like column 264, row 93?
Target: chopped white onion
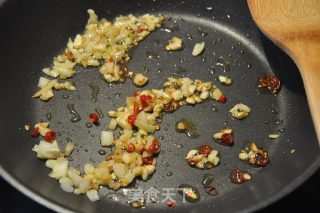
column 47, row 150
column 93, row 195
column 106, row 138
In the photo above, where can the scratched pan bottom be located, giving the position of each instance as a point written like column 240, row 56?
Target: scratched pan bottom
column 226, row 36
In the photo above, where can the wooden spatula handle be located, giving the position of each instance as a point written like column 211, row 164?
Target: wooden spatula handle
column 306, row 53
column 294, row 25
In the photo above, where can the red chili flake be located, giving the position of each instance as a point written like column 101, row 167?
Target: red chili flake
column 227, row 139
column 131, row 148
column 109, row 59
column 132, row 119
column 191, row 162
column 94, row 118
column 271, row 82
column 147, row 160
column 136, row 109
column 237, row 176
column 154, row 146
column 145, row 100
column 140, row 30
column 205, row 149
column 35, row 132
column 170, row 203
column 222, row 99
column 136, row 93
column 50, row 136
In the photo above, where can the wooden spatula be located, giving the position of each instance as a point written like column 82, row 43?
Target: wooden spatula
column 294, row 25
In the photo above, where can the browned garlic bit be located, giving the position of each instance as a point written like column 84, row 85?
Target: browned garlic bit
column 47, row 86
column 174, row 44
column 254, row 155
column 239, row 176
column 198, row 49
column 225, row 80
column 224, row 137
column 203, row 158
column 113, row 72
column 240, row 111
column 140, row 80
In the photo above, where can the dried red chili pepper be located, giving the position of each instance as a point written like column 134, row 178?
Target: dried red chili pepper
column 140, row 30
column 94, row 118
column 136, row 109
column 132, row 119
column 35, row 132
column 145, row 100
column 205, row 150
column 154, row 146
column 50, row 136
column 271, row 82
column 147, row 160
column 222, row 99
column 227, row 139
column 170, row 203
column 131, row 148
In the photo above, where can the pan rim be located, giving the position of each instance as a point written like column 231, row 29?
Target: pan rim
column 58, row 208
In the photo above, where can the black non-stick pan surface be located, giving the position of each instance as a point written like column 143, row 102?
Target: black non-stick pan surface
column 33, row 32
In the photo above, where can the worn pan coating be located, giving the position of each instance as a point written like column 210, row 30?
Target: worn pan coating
column 32, row 32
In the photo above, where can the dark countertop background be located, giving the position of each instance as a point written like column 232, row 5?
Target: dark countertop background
column 305, row 198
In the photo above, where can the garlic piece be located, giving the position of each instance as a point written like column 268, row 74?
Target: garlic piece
column 240, row 111
column 174, row 44
column 140, row 80
column 225, row 79
column 198, row 49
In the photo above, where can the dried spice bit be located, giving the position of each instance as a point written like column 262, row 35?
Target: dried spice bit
column 211, row 190
column 274, row 136
column 189, row 193
column 35, row 132
column 170, row 203
column 270, row 82
column 174, row 44
column 240, row 111
column 138, row 204
column 198, row 49
column 207, row 179
column 94, row 118
column 203, row 158
column 225, row 80
column 224, row 137
column 50, row 136
column 140, row 80
column 239, row 176
column 254, row 155
column 188, row 127
column 27, row 127
column 171, row 107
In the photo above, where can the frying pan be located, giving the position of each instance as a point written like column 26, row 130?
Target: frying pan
column 32, row 32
